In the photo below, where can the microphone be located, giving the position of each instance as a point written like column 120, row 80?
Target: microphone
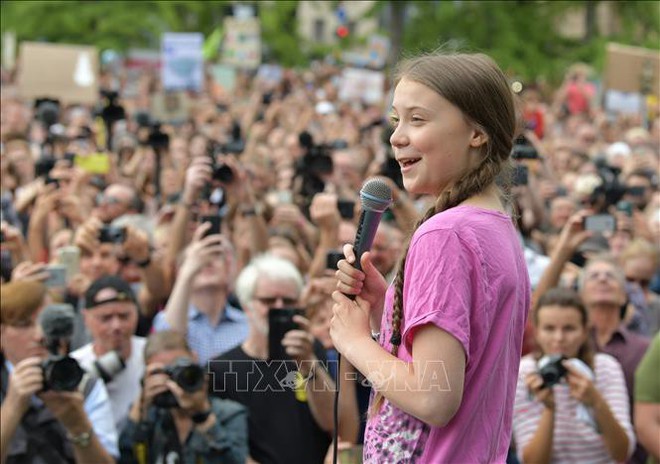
column 375, row 198
column 57, row 321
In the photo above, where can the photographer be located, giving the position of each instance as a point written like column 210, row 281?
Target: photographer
column 111, row 316
column 571, row 404
column 39, row 425
column 174, row 420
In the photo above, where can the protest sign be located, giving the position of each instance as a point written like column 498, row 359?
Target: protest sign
column 242, row 43
column 183, row 61
column 138, row 62
column 68, row 73
column 361, row 84
column 170, row 107
column 632, row 69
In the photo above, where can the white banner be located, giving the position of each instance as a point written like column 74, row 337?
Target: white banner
column 183, row 62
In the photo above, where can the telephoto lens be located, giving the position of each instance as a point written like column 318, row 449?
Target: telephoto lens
column 107, row 366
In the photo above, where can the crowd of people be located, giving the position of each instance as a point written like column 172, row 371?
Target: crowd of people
column 523, row 234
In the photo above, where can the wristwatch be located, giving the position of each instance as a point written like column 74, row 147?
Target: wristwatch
column 82, row 439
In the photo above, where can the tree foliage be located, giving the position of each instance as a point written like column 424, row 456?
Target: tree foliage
column 521, row 35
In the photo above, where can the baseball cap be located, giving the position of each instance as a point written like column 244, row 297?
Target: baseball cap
column 108, row 289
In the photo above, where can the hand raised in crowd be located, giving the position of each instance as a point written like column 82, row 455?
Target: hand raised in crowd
column 153, row 384
column 574, row 234
column 323, row 211
column 535, row 387
column 202, row 251
column 136, row 245
column 12, row 240
column 27, row 270
column 87, row 234
column 70, row 207
column 47, row 201
column 26, row 379
column 198, row 175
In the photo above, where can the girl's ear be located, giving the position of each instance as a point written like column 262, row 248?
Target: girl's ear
column 479, row 137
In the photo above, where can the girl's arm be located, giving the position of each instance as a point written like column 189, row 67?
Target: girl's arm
column 413, row 386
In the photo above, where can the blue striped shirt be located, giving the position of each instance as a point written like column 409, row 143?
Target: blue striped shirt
column 207, row 340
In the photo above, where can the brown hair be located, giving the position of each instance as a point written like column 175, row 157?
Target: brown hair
column 569, row 299
column 20, row 300
column 478, row 87
column 165, row 340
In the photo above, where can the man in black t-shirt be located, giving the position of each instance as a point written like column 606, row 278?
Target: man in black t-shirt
column 289, row 401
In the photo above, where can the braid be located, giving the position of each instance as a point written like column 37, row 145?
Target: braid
column 471, row 184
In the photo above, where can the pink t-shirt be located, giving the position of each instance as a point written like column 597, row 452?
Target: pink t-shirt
column 465, row 273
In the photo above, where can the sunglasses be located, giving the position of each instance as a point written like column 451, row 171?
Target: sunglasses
column 271, row 300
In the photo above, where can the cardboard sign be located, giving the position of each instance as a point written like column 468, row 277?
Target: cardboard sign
column 242, row 44
column 170, row 107
column 68, row 73
column 362, row 84
column 632, row 69
column 137, row 63
column 183, row 61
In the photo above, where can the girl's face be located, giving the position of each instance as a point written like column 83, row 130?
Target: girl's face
column 560, row 330
column 432, row 140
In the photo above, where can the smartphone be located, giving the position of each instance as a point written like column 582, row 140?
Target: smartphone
column 56, row 277
column 520, row 175
column 600, row 223
column 69, row 257
column 96, row 163
column 280, row 321
column 346, row 209
column 216, row 222
column 626, row 207
column 332, row 258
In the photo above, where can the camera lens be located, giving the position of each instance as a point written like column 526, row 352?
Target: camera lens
column 190, row 378
column 62, row 373
column 552, row 371
column 223, row 173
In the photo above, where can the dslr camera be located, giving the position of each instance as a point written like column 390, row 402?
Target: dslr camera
column 187, row 374
column 61, row 372
column 552, row 370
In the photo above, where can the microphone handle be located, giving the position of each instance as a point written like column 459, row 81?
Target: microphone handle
column 366, row 232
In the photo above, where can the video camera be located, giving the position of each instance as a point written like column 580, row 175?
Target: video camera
column 315, row 163
column 156, row 138
column 611, row 190
column 187, row 375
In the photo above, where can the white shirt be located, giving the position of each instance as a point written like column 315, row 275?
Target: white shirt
column 125, row 387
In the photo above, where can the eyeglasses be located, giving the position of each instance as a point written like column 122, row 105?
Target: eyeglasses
column 597, row 275
column 271, row 300
column 102, row 199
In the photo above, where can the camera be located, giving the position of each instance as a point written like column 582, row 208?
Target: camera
column 61, row 372
column 552, row 370
column 107, row 366
column 188, row 375
column 523, row 149
column 111, row 234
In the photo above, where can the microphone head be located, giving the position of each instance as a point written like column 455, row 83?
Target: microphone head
column 56, row 321
column 375, row 195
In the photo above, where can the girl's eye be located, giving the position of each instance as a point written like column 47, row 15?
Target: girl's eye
column 394, row 121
